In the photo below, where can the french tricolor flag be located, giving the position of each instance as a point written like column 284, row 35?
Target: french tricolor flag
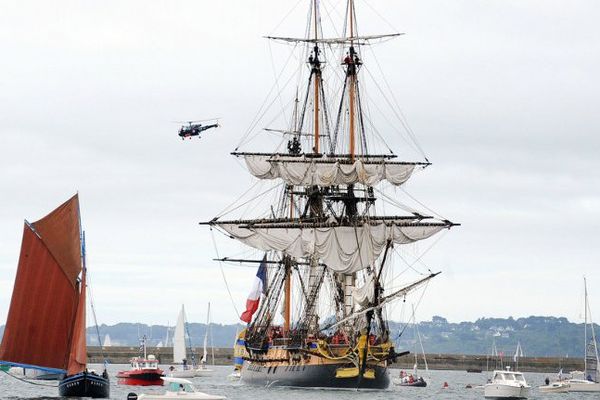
column 258, row 287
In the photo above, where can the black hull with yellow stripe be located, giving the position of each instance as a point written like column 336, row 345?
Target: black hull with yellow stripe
column 333, row 376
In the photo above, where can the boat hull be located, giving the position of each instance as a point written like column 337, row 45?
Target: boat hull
column 417, row 383
column 314, row 376
column 187, row 396
column 188, row 373
column 84, row 384
column 556, row 387
column 200, row 372
column 577, row 385
column 140, row 378
column 498, row 391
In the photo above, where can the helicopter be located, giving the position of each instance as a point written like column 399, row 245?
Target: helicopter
column 195, row 128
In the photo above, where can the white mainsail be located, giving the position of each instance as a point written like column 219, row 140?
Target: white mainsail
column 307, row 171
column 179, row 353
column 344, row 249
column 107, row 342
column 205, row 354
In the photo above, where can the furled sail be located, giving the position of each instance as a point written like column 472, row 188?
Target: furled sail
column 179, row 353
column 327, row 171
column 364, row 295
column 345, row 40
column 344, row 249
column 41, row 320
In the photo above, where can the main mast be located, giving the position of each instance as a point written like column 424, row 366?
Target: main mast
column 317, row 73
column 351, row 71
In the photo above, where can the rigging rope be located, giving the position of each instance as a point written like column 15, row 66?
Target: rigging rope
column 27, row 380
column 417, row 306
column 91, row 296
column 228, row 210
column 93, row 308
column 212, row 235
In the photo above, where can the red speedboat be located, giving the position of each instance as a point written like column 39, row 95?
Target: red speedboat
column 144, row 372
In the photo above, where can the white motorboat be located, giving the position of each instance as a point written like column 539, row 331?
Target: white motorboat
column 555, row 387
column 177, row 388
column 589, row 379
column 582, row 385
column 507, row 385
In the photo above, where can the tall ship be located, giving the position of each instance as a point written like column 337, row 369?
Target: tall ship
column 326, row 229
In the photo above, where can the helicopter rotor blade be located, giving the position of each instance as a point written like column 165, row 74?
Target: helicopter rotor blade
column 195, row 121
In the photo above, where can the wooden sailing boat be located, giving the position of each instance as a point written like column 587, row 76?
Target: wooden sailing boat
column 323, row 235
column 45, row 329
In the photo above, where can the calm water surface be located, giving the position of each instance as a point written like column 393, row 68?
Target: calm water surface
column 10, row 388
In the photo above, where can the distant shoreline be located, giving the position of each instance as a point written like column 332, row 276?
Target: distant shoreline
column 224, row 356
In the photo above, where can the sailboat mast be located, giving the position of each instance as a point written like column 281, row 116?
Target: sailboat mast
column 585, row 311
column 317, row 84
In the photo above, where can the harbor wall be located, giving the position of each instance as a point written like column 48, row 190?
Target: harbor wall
column 224, row 356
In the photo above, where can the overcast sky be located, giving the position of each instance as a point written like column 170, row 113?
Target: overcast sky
column 503, row 96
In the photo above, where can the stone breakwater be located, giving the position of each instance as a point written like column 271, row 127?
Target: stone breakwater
column 224, row 356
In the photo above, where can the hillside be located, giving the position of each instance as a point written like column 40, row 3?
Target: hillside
column 539, row 336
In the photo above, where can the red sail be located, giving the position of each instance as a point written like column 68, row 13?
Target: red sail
column 40, row 317
column 60, row 231
column 78, row 356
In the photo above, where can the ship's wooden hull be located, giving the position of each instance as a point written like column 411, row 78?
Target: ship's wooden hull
column 85, row 385
column 311, row 376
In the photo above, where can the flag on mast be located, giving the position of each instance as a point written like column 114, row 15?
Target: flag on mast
column 259, row 287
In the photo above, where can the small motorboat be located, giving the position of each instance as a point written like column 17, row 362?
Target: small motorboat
column 177, row 388
column 555, row 387
column 144, row 372
column 583, row 385
column 507, row 385
column 409, row 380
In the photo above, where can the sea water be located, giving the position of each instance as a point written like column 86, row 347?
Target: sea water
column 218, row 384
